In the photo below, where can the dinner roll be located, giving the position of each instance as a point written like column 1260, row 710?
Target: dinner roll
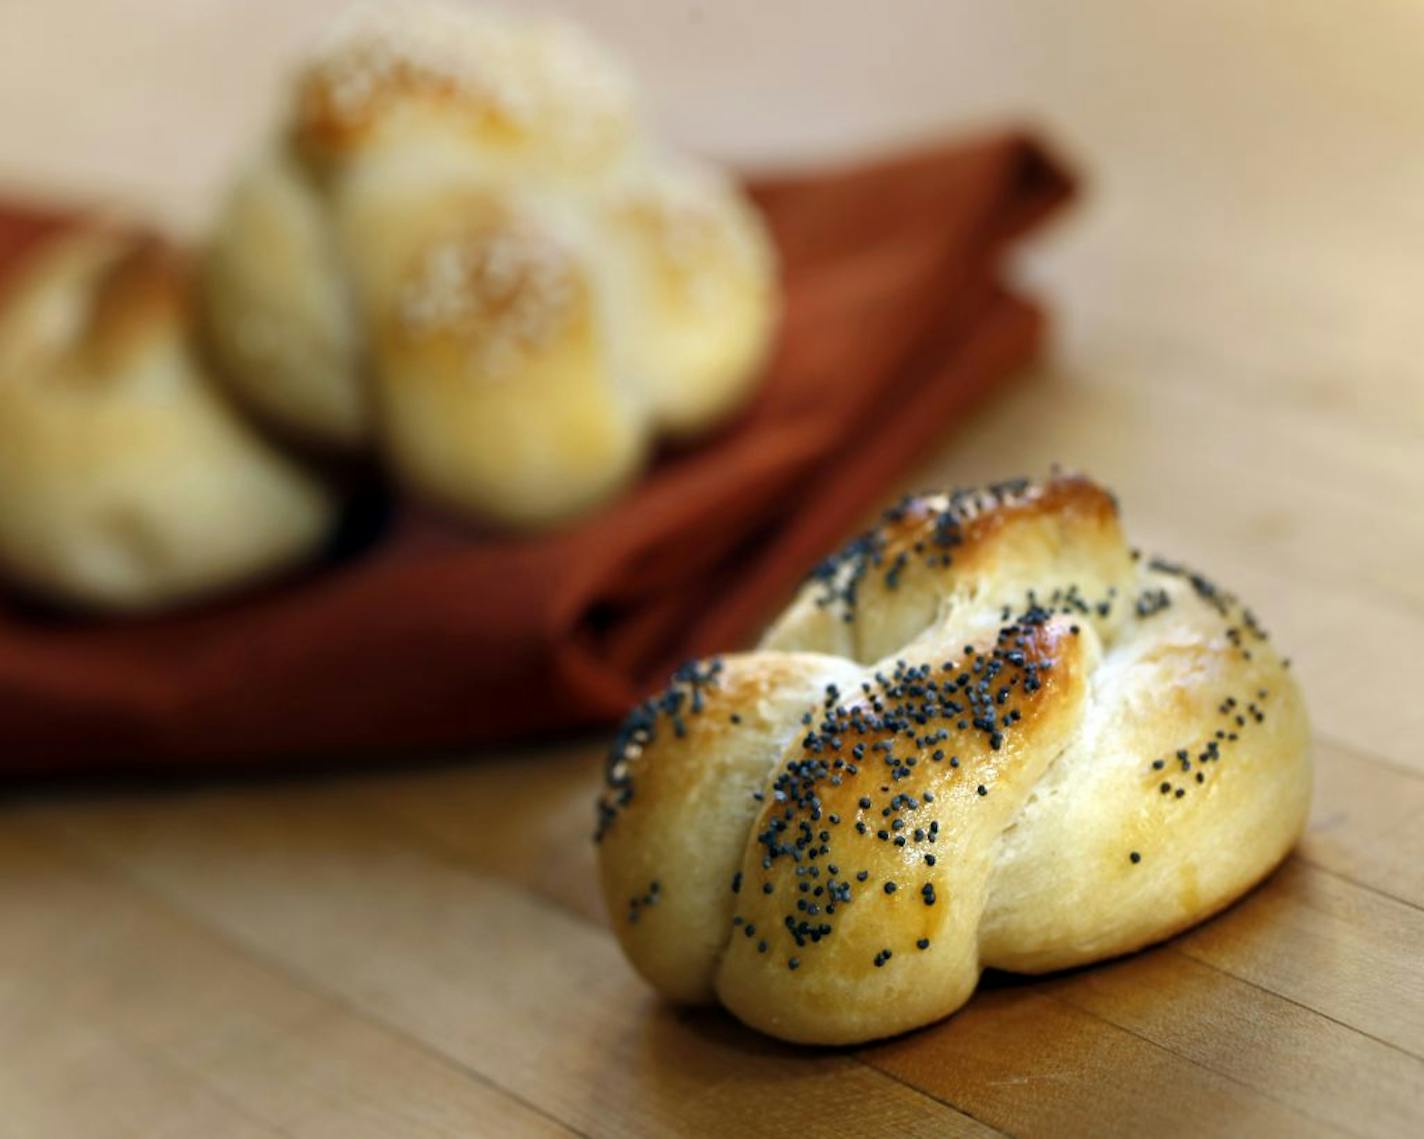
column 985, row 734
column 462, row 252
column 127, row 483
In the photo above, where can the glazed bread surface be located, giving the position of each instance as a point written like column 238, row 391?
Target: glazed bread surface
column 986, row 734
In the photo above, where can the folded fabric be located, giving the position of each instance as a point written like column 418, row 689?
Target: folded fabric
column 897, row 319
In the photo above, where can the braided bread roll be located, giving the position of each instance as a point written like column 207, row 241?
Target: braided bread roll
column 986, row 734
column 127, row 482
column 462, row 252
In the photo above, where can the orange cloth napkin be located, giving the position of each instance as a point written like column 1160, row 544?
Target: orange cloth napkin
column 896, row 320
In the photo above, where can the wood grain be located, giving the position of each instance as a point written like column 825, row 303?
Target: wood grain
column 1240, row 354
column 141, row 1006
column 439, row 952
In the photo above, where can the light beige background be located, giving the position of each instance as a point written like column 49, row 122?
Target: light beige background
column 1220, row 115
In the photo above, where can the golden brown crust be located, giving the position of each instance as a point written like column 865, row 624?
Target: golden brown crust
column 1193, row 756
column 943, row 556
column 532, row 91
column 681, row 785
column 894, row 825
column 988, row 792
column 134, row 299
column 497, row 388
column 126, row 482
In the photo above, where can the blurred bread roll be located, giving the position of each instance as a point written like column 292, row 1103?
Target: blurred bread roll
column 519, row 96
column 699, row 285
column 461, row 252
column 496, row 385
column 278, row 314
column 409, row 88
column 126, row 482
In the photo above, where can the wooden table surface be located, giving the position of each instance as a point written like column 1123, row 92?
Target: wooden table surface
column 1241, row 355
